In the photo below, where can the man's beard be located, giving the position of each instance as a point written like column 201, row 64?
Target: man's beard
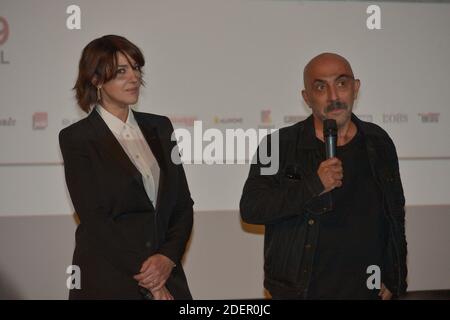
column 338, row 105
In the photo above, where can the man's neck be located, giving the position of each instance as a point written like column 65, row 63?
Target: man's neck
column 345, row 133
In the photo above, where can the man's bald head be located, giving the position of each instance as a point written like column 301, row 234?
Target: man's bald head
column 330, row 88
column 326, row 61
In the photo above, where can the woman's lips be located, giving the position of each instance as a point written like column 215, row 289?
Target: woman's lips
column 132, row 91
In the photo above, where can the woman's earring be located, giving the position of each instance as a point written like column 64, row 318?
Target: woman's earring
column 99, row 94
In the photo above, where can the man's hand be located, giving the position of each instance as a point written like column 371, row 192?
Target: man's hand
column 331, row 173
column 384, row 293
column 154, row 272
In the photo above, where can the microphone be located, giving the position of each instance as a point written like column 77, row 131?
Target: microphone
column 330, row 137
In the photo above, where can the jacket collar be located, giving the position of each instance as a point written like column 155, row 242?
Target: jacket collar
column 109, row 145
column 149, row 129
column 106, row 137
column 115, row 124
column 307, row 133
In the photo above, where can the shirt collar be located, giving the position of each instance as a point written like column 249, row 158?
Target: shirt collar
column 115, row 124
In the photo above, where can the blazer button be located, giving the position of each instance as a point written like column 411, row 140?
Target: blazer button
column 311, row 222
column 148, row 244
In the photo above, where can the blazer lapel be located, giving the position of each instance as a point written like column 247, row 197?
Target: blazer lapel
column 153, row 136
column 109, row 144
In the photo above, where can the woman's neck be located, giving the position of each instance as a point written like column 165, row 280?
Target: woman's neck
column 120, row 112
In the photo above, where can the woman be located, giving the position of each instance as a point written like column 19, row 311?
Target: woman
column 133, row 202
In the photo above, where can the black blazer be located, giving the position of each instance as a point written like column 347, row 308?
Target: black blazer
column 119, row 227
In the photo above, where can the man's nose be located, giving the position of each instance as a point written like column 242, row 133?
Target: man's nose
column 332, row 93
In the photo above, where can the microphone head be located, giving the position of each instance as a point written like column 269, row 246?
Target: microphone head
column 329, row 127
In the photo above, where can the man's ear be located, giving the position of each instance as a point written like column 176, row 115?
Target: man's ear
column 305, row 97
column 356, row 88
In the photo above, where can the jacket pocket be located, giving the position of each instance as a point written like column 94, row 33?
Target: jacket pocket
column 284, row 250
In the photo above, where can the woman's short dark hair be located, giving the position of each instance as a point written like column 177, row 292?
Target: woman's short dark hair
column 99, row 59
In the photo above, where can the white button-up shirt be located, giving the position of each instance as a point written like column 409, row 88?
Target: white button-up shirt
column 136, row 147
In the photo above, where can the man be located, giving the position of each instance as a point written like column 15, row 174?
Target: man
column 329, row 223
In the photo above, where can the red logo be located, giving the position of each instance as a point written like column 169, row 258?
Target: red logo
column 40, row 120
column 265, row 117
column 4, row 30
column 183, row 120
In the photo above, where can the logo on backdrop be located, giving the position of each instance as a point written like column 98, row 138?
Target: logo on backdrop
column 395, row 118
column 266, row 119
column 429, row 117
column 185, row 121
column 231, row 120
column 40, row 120
column 4, row 35
column 7, row 122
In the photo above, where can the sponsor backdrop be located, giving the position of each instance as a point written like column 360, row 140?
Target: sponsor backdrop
column 230, row 64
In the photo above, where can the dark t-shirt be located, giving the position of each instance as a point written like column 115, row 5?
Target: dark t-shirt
column 350, row 236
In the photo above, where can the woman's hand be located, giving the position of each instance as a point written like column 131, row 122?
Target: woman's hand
column 384, row 293
column 154, row 272
column 162, row 294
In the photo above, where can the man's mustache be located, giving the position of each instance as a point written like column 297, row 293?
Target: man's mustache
column 336, row 105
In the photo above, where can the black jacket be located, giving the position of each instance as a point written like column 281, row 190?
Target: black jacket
column 119, row 227
column 287, row 203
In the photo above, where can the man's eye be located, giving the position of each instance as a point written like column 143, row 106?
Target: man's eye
column 320, row 87
column 341, row 83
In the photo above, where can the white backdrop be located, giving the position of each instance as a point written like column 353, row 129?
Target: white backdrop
column 229, row 63
column 224, row 62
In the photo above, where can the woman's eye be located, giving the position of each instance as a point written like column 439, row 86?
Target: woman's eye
column 119, row 71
